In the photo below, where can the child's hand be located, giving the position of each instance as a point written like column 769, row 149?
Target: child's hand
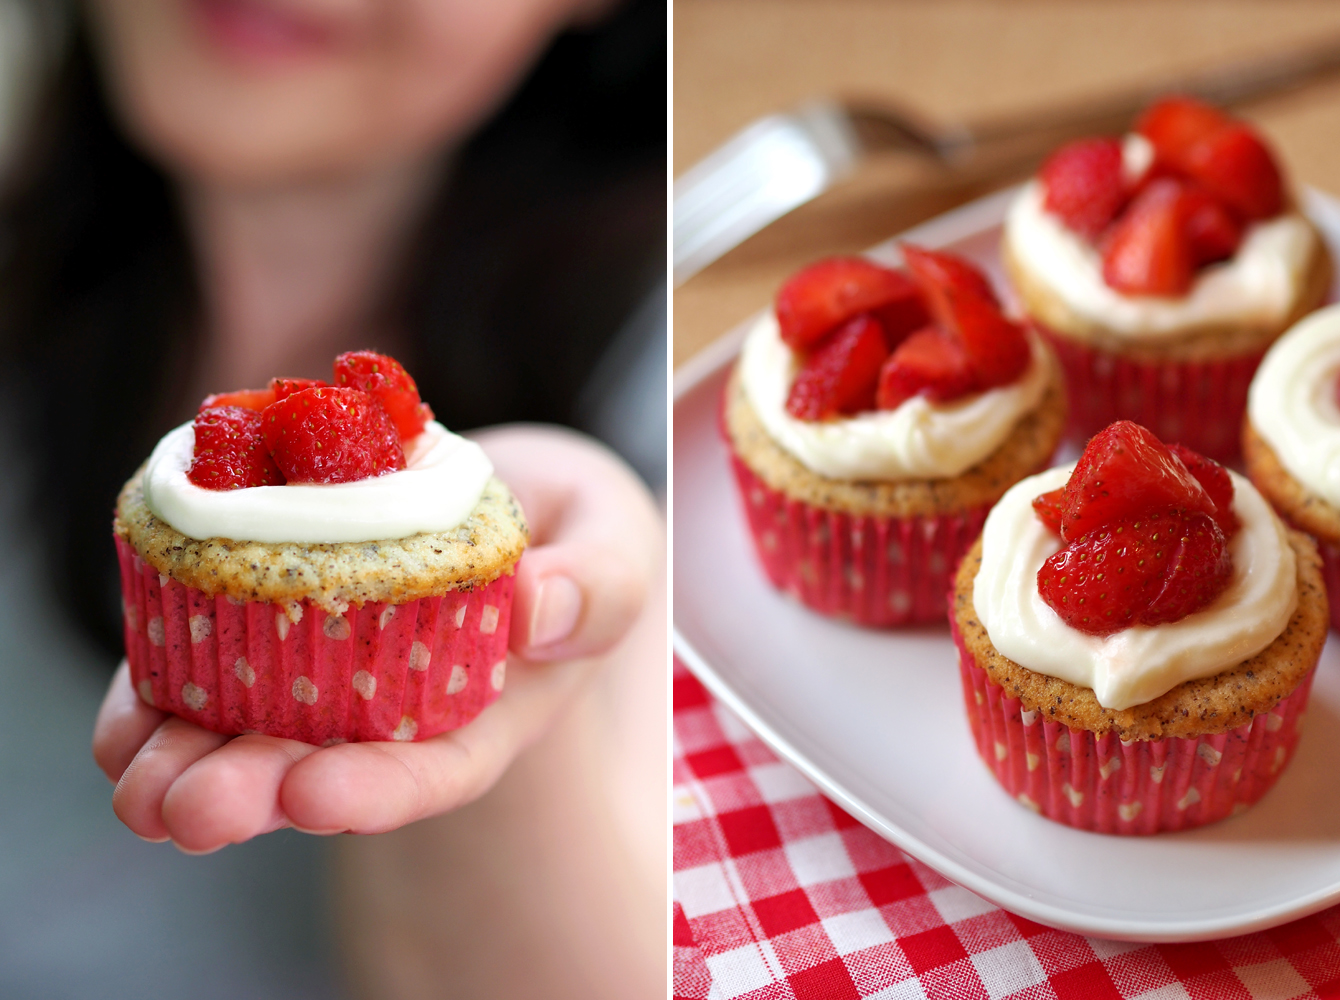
column 596, row 540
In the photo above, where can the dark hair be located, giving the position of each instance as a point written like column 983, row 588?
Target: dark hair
column 549, row 230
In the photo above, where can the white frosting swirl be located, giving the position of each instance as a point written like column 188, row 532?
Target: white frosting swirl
column 1292, row 402
column 918, row 440
column 444, row 479
column 1140, row 663
column 1258, row 286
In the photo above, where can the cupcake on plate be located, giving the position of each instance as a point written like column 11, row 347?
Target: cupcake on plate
column 1161, row 266
column 1137, row 637
column 1291, row 437
column 319, row 562
column 873, row 420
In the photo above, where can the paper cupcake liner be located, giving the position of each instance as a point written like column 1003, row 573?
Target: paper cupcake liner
column 379, row 672
column 1198, row 404
column 878, row 571
column 1102, row 784
column 1330, row 571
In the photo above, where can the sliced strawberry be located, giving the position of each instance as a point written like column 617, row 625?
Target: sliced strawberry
column 1125, row 473
column 1048, row 507
column 285, row 387
column 1085, row 184
column 1174, row 124
column 1196, row 572
column 386, row 380
column 840, row 376
column 1215, row 479
column 230, row 451
column 331, row 435
column 1213, row 231
column 821, row 297
column 930, row 363
column 1149, row 251
column 997, row 349
column 1103, row 581
column 936, row 271
column 248, row 399
column 1235, row 166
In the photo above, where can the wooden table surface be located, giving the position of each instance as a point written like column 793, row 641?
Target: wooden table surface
column 955, row 61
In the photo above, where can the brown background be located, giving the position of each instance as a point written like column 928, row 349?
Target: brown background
column 736, row 60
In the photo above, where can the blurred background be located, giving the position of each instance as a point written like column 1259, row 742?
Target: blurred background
column 527, row 284
column 953, row 61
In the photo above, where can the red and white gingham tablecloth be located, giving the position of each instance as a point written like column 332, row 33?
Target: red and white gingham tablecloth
column 780, row 895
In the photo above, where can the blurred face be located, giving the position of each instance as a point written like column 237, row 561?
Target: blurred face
column 265, row 91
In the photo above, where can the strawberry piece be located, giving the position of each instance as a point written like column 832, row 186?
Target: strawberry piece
column 1085, row 185
column 841, row 375
column 331, row 435
column 1212, row 230
column 1149, row 251
column 386, row 380
column 1215, row 479
column 1048, row 508
column 828, row 293
column 230, row 451
column 997, row 349
column 282, row 388
column 1126, row 473
column 1235, row 166
column 930, row 363
column 938, row 272
column 248, row 399
column 1174, row 124
column 1195, row 573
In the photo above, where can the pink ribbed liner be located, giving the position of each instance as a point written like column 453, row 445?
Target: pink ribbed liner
column 380, row 672
column 878, row 571
column 1100, row 783
column 1330, row 571
column 1198, row 404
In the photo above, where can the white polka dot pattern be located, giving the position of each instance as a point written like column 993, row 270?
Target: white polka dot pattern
column 132, row 614
column 282, row 625
column 243, row 672
column 496, row 675
column 336, row 627
column 146, row 692
column 459, row 678
column 163, row 579
column 488, row 620
column 419, row 656
column 155, row 630
column 195, row 696
column 460, row 616
column 385, row 617
column 201, row 628
column 406, row 731
column 305, row 691
column 365, row 684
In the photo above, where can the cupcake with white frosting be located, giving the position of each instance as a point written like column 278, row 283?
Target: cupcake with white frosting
column 319, row 562
column 1137, row 638
column 1161, row 266
column 1291, row 436
column 873, row 420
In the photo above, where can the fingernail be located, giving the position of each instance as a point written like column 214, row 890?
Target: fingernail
column 558, row 605
column 196, row 854
column 153, row 840
column 317, row 833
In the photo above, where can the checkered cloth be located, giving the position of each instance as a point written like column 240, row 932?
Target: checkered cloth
column 780, row 895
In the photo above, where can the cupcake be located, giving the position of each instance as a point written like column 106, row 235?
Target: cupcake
column 319, row 562
column 1291, row 436
column 873, row 420
column 1160, row 266
column 1137, row 637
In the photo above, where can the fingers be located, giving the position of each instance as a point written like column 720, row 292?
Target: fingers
column 124, row 724
column 597, row 540
column 170, row 750
column 375, row 787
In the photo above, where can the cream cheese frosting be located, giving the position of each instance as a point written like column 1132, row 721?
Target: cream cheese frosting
column 918, row 440
column 1140, row 663
column 443, row 480
column 1259, row 286
column 1292, row 402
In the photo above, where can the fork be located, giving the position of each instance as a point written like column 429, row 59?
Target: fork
column 782, row 161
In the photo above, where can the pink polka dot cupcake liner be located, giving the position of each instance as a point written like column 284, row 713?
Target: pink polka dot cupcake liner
column 877, row 571
column 1198, row 404
column 1103, row 784
column 1330, row 571
column 379, row 672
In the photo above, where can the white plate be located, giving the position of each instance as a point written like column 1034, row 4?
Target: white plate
column 875, row 718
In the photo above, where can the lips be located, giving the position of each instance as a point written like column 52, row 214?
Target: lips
column 266, row 30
